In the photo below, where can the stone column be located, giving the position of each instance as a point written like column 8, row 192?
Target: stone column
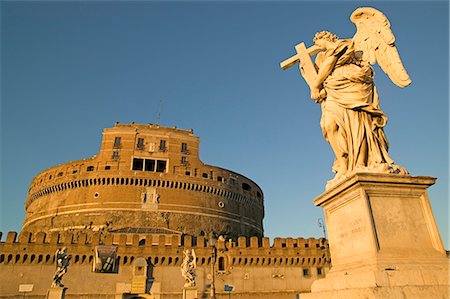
column 384, row 242
column 56, row 293
column 190, row 293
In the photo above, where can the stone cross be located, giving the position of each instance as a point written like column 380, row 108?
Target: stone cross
column 303, row 57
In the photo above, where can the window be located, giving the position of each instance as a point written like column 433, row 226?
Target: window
column 183, row 160
column 117, row 142
column 306, row 245
column 220, row 179
column 115, row 155
column 160, row 166
column 107, row 167
column 138, row 164
column 73, row 171
column 205, row 175
column 140, row 144
column 162, row 146
column 320, row 271
column 184, row 148
column 305, row 272
column 149, row 165
column 187, row 173
column 90, row 168
column 246, row 187
column 221, row 263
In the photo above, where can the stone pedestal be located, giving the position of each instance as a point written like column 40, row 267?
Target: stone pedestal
column 190, row 293
column 384, row 242
column 56, row 293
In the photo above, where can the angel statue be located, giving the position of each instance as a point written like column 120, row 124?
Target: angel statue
column 342, row 81
column 188, row 267
column 62, row 262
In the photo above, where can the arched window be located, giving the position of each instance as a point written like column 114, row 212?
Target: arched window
column 221, row 263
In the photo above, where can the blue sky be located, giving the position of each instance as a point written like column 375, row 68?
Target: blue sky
column 70, row 69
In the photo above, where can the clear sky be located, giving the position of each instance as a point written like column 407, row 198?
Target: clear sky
column 70, row 69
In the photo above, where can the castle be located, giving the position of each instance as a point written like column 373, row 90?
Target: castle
column 127, row 215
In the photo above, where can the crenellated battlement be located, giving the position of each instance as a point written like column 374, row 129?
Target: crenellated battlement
column 163, row 249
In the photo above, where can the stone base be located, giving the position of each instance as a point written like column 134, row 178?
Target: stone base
column 384, row 241
column 56, row 293
column 190, row 293
column 430, row 283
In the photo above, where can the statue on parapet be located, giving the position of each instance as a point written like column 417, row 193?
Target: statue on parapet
column 342, row 82
column 62, row 262
column 188, row 267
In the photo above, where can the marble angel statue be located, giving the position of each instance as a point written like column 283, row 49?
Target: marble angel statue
column 188, row 267
column 342, row 81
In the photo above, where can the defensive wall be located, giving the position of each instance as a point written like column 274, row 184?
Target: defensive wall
column 145, row 176
column 254, row 266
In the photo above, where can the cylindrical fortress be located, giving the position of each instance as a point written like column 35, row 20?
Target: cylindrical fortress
column 145, row 177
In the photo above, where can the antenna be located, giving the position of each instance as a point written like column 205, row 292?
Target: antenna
column 159, row 112
column 321, row 224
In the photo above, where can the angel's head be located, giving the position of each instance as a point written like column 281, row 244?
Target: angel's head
column 323, row 38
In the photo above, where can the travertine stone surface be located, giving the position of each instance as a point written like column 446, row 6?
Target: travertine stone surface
column 256, row 267
column 384, row 242
column 342, row 81
column 190, row 293
column 56, row 293
column 120, row 188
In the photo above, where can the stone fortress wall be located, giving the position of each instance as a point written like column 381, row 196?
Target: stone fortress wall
column 252, row 265
column 145, row 176
column 148, row 198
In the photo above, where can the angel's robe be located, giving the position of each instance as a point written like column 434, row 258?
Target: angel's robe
column 352, row 104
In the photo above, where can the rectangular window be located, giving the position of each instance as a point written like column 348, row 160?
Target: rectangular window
column 149, row 165
column 160, row 166
column 140, row 144
column 138, row 164
column 162, row 145
column 90, row 168
column 117, row 142
column 183, row 160
column 320, row 271
column 205, row 175
column 115, row 155
column 184, row 148
column 220, row 179
column 305, row 272
column 107, row 167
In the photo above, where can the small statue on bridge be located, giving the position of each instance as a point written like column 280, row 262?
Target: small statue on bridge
column 188, row 267
column 62, row 262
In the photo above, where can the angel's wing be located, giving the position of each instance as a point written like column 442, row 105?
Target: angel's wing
column 375, row 42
